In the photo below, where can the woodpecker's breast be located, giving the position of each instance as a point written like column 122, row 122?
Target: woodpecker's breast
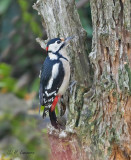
column 66, row 79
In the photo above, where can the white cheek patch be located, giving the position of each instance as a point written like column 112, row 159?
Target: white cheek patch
column 55, row 71
column 54, row 47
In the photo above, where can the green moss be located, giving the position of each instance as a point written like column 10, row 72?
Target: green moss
column 129, row 75
column 114, row 94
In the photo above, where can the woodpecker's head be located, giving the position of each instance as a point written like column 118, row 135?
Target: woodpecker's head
column 56, row 44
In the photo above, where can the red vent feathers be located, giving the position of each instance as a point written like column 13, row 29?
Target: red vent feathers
column 47, row 49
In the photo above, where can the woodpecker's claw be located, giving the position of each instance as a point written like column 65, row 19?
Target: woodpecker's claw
column 63, row 107
column 71, row 86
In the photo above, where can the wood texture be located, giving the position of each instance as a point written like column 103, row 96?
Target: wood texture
column 109, row 100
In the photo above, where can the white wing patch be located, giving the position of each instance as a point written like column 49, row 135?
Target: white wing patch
column 55, row 71
column 49, row 94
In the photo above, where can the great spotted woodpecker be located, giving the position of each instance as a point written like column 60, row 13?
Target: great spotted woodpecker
column 55, row 75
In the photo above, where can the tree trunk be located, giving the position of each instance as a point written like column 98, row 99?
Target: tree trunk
column 102, row 114
column 109, row 109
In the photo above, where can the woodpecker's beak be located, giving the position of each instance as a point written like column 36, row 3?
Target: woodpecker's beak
column 67, row 40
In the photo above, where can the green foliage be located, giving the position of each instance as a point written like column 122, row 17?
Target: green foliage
column 85, row 17
column 4, row 4
column 5, row 70
column 19, row 132
column 35, row 85
column 20, row 25
column 24, row 5
column 28, row 18
column 5, row 80
column 7, row 83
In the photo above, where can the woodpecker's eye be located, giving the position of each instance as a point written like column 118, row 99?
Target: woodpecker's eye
column 58, row 42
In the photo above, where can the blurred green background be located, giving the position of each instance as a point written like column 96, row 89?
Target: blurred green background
column 20, row 62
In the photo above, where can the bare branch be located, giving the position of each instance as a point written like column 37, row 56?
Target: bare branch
column 41, row 42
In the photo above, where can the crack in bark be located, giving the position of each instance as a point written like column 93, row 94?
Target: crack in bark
column 121, row 12
column 114, row 2
column 114, row 18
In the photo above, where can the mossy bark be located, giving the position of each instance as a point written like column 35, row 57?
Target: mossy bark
column 101, row 113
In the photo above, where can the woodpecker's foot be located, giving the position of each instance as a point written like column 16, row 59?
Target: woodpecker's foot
column 62, row 109
column 73, row 83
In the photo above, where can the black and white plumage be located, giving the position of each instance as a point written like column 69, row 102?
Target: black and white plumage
column 55, row 75
column 52, row 76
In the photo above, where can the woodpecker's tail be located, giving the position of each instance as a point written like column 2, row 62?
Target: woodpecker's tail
column 46, row 110
column 53, row 118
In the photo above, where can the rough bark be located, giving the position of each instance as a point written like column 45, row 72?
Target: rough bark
column 102, row 114
column 108, row 121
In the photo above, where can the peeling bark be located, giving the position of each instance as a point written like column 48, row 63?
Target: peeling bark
column 102, row 114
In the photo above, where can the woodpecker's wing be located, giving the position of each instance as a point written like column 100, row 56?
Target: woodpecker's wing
column 52, row 76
